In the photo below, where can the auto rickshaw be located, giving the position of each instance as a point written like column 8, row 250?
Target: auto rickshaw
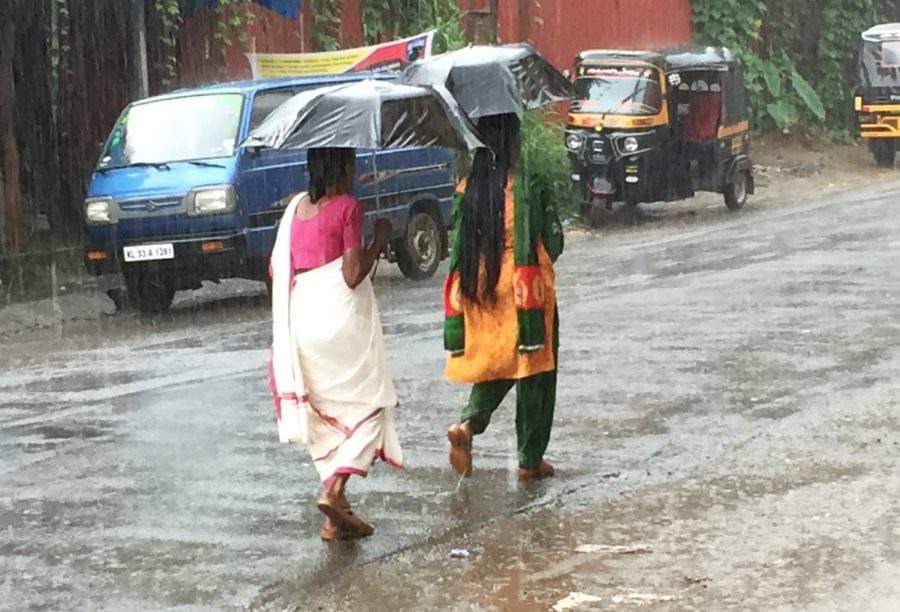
column 877, row 99
column 658, row 126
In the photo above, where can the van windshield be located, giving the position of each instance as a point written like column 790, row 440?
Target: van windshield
column 177, row 129
column 618, row 91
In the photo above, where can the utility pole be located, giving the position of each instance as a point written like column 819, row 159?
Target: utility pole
column 481, row 23
column 138, row 21
column 494, row 21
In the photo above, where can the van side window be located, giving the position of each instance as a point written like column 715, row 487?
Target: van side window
column 264, row 102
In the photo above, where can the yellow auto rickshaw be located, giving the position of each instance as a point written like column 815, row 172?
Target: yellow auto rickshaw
column 651, row 126
column 877, row 99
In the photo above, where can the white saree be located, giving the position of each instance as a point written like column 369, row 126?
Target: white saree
column 332, row 386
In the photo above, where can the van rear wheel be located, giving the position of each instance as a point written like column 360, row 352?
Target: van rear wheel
column 419, row 251
column 149, row 292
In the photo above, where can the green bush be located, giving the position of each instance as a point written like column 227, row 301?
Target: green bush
column 545, row 161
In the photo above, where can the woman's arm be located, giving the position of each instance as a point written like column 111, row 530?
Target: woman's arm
column 358, row 259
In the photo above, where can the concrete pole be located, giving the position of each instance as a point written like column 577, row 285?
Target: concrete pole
column 141, row 86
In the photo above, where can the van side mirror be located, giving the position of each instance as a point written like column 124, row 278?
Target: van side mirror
column 100, row 147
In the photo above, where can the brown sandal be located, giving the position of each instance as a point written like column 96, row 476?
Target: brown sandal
column 460, row 437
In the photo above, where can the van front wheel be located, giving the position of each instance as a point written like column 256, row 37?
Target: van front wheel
column 419, row 251
column 150, row 293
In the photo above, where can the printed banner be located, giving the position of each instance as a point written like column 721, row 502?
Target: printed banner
column 386, row 56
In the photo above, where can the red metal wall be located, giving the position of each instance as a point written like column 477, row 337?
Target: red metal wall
column 270, row 32
column 558, row 28
column 561, row 28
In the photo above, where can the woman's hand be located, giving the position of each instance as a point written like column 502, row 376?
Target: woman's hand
column 358, row 261
column 383, row 232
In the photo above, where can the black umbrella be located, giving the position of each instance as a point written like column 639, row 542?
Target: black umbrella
column 367, row 114
column 493, row 80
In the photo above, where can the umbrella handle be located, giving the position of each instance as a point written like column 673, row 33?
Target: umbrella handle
column 377, row 203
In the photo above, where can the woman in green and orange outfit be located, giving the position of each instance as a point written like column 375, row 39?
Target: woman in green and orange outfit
column 501, row 324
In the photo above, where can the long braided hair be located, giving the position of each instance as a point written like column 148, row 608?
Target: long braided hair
column 483, row 207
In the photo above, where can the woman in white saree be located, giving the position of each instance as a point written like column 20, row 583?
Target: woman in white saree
column 329, row 376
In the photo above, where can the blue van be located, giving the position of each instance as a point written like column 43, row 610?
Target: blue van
column 175, row 199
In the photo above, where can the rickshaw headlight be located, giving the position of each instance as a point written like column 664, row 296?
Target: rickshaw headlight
column 573, row 142
column 630, row 145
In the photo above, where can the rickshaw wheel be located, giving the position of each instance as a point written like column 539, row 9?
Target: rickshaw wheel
column 884, row 151
column 594, row 211
column 736, row 191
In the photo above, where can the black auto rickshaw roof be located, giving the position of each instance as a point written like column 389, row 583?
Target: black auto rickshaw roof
column 885, row 31
column 704, row 58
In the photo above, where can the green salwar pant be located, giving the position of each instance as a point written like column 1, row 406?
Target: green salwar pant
column 535, row 403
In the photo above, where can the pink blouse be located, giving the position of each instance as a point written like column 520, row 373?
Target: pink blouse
column 323, row 238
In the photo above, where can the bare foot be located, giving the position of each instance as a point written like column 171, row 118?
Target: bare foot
column 460, row 436
column 543, row 470
column 347, row 526
column 329, row 531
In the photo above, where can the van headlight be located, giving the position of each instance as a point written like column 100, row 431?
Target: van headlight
column 573, row 142
column 630, row 145
column 214, row 200
column 98, row 210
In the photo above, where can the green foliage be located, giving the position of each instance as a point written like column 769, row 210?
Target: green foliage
column 386, row 20
column 231, row 26
column 544, row 162
column 809, row 96
column 798, row 57
column 169, row 15
column 325, row 23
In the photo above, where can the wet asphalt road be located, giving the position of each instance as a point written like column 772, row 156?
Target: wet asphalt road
column 141, row 470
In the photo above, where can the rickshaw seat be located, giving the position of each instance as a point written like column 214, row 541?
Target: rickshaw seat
column 702, row 120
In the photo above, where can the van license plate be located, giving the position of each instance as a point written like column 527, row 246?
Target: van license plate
column 149, row 252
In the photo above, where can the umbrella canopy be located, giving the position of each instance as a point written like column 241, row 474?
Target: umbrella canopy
column 366, row 114
column 493, row 80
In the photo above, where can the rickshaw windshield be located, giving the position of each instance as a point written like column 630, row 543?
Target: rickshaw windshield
column 879, row 64
column 618, row 91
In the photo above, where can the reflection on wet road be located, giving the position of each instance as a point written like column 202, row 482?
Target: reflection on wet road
column 141, row 468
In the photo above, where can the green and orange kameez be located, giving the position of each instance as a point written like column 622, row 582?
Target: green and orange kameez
column 512, row 340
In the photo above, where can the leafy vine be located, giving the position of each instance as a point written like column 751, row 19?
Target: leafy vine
column 794, row 75
column 234, row 16
column 389, row 19
column 170, row 18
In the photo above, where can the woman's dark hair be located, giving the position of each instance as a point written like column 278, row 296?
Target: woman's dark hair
column 483, row 224
column 327, row 167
